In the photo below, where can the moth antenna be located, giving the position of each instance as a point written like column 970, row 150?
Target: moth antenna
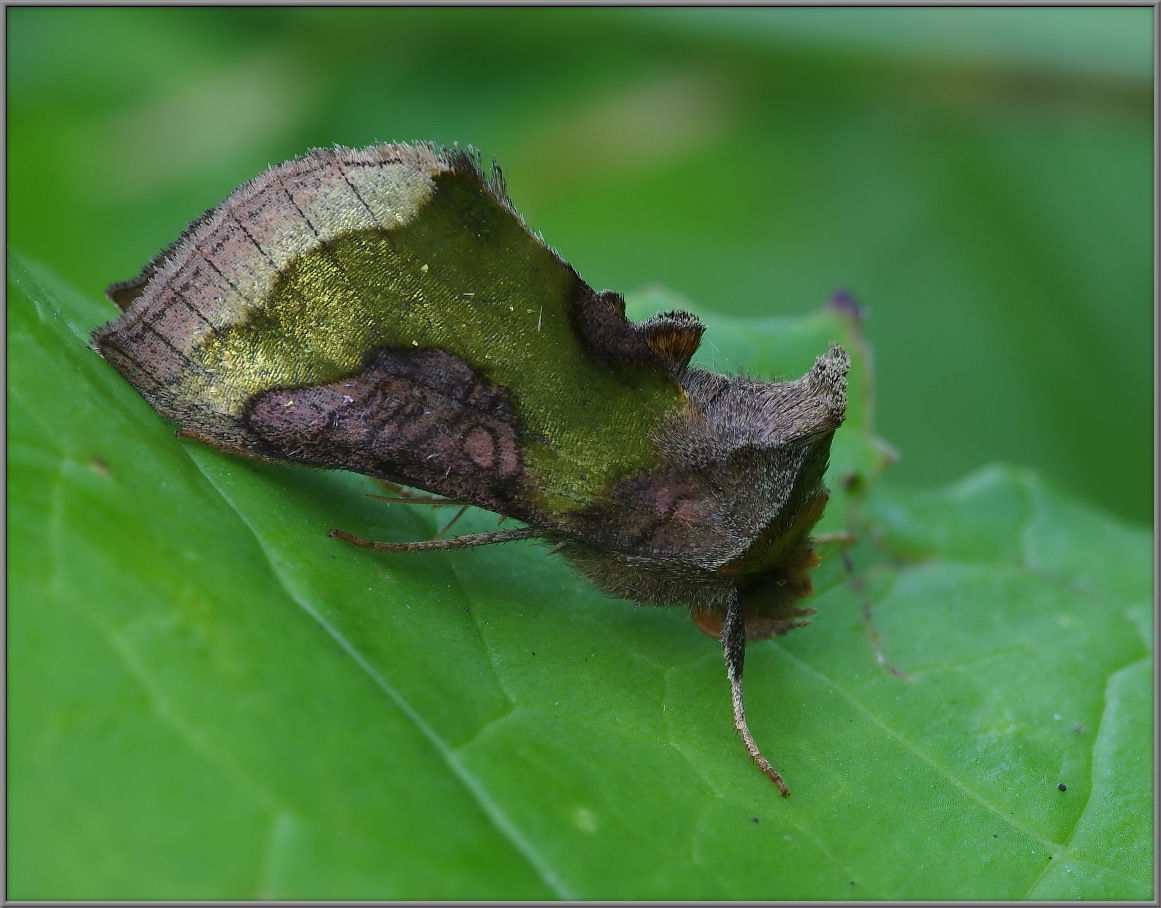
column 460, row 513
column 434, row 545
column 734, row 650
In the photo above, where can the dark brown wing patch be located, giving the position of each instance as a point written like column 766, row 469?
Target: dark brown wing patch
column 423, row 418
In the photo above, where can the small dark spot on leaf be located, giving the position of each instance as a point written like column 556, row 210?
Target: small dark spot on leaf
column 1062, row 787
column 754, row 820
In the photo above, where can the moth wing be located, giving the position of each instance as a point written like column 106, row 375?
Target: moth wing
column 387, row 311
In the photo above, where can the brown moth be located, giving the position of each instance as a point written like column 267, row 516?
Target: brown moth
column 387, row 311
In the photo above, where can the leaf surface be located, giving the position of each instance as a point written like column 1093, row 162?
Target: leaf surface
column 210, row 699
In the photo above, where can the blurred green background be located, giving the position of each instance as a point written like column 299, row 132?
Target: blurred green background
column 981, row 179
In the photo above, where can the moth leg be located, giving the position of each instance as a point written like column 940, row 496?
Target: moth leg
column 874, row 638
column 404, row 495
column 434, row 545
column 397, row 490
column 734, row 650
column 451, row 523
column 843, row 537
column 414, row 499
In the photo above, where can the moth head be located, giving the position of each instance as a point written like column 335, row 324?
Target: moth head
column 781, row 435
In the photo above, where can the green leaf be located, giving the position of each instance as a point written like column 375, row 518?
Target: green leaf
column 210, row 699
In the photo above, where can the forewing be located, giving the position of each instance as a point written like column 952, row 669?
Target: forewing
column 386, row 311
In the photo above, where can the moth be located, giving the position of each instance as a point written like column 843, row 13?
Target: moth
column 387, row 311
